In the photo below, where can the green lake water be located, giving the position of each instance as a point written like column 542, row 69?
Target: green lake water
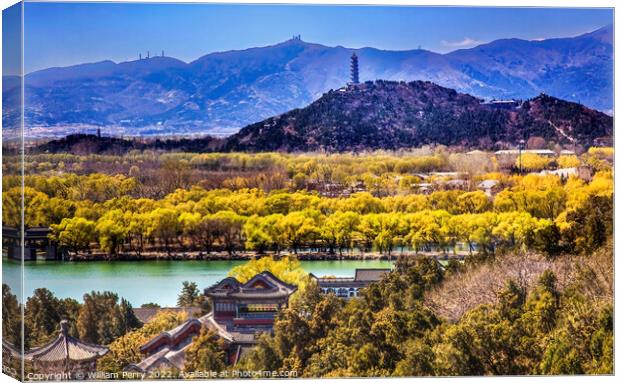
column 146, row 281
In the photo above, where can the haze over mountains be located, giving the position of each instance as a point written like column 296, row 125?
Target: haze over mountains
column 220, row 93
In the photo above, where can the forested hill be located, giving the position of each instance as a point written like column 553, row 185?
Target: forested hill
column 85, row 144
column 392, row 115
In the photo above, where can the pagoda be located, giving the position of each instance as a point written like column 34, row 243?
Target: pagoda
column 355, row 75
column 65, row 354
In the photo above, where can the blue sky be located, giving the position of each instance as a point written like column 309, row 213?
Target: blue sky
column 60, row 34
column 11, row 40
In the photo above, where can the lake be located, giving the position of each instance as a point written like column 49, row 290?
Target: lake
column 146, row 281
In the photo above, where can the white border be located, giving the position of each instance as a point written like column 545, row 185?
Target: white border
column 484, row 3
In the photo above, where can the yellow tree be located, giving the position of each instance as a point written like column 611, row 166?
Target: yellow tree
column 532, row 162
column 568, row 161
column 296, row 228
column 473, row 202
column 74, row 233
column 111, row 231
column 287, row 269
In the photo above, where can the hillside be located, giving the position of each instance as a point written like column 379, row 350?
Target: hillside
column 221, row 92
column 392, row 115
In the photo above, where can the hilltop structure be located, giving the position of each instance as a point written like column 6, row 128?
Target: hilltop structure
column 355, row 75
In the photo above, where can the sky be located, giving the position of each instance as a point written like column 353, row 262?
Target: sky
column 61, row 34
column 11, row 40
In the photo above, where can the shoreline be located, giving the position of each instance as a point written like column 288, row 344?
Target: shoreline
column 243, row 256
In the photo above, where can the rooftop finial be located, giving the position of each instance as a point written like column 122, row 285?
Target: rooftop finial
column 64, row 327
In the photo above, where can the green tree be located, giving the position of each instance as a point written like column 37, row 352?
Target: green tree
column 206, row 353
column 191, row 296
column 102, row 318
column 42, row 315
column 11, row 317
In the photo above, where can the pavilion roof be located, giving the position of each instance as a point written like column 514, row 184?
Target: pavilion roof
column 175, row 344
column 65, row 347
column 262, row 285
column 10, row 348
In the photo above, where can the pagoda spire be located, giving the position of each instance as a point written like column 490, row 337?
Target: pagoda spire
column 355, row 75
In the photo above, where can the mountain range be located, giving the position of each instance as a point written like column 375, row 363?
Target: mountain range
column 222, row 92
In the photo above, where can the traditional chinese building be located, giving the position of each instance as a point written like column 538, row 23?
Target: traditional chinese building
column 65, row 355
column 36, row 240
column 348, row 287
column 240, row 311
column 167, row 350
column 250, row 307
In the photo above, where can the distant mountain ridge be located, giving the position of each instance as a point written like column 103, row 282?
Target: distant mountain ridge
column 221, row 92
column 393, row 115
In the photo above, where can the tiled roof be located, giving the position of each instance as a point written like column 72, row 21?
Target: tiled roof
column 363, row 277
column 11, row 349
column 370, row 274
column 173, row 353
column 154, row 361
column 271, row 287
column 175, row 335
column 145, row 314
column 65, row 346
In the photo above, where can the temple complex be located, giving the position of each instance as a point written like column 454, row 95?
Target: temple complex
column 240, row 311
